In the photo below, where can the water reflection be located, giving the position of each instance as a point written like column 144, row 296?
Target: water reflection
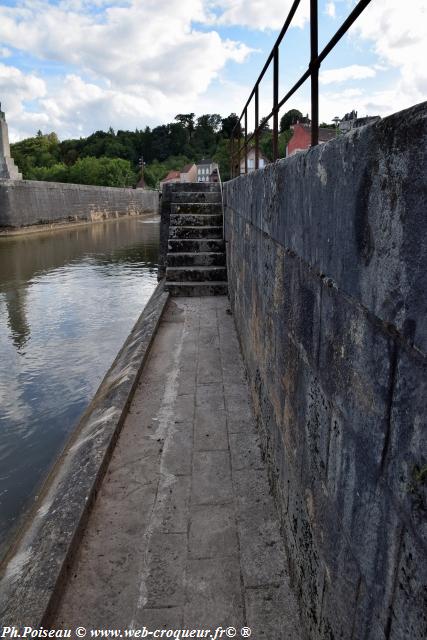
column 19, row 327
column 68, row 299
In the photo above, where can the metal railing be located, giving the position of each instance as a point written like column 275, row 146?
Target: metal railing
column 312, row 72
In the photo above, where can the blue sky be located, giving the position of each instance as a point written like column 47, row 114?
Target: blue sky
column 75, row 66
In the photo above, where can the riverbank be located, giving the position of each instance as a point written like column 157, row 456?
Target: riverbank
column 60, row 225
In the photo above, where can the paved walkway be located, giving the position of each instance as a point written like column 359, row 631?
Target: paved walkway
column 184, row 533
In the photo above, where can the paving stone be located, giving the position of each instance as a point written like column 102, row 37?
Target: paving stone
column 211, row 482
column 166, row 557
column 213, row 531
column 236, row 425
column 272, row 613
column 263, row 558
column 252, row 492
column 262, row 554
column 245, row 451
column 238, row 408
column 232, row 371
column 213, row 594
column 210, row 424
column 187, row 382
column 177, row 452
column 172, row 506
column 209, row 366
column 237, row 390
column 184, row 409
column 164, row 618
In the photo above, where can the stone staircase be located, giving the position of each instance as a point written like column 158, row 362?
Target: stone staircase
column 195, row 262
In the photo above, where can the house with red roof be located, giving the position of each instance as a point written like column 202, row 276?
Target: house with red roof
column 173, row 176
column 301, row 138
column 186, row 174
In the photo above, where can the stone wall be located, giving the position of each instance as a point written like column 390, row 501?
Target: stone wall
column 29, row 202
column 327, row 265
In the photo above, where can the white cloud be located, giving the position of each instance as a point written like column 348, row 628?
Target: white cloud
column 134, row 62
column 397, row 32
column 261, row 14
column 17, row 87
column 140, row 62
column 5, row 52
column 128, row 45
column 330, row 9
column 352, row 72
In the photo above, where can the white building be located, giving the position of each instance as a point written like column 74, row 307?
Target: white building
column 262, row 161
column 205, row 169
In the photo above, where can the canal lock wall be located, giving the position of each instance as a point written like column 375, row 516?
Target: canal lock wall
column 26, row 203
column 327, row 260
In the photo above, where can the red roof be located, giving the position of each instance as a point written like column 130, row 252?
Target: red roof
column 301, row 138
column 172, row 175
column 187, row 167
column 325, row 134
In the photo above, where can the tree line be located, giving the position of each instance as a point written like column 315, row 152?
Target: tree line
column 115, row 158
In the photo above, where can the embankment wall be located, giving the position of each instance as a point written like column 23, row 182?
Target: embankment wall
column 327, row 258
column 30, row 202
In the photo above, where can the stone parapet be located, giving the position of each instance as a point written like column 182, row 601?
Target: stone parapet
column 327, row 259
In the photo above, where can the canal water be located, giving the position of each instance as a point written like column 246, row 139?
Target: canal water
column 68, row 300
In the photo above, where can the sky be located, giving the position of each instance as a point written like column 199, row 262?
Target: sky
column 78, row 66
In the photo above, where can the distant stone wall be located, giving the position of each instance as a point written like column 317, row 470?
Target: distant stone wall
column 29, row 202
column 327, row 257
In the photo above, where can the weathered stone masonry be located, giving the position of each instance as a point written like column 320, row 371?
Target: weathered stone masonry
column 327, row 266
column 29, row 202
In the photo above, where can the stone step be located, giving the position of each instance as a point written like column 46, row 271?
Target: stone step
column 197, row 289
column 213, row 233
column 196, row 274
column 195, row 245
column 195, row 220
column 196, row 207
column 197, row 196
column 196, row 259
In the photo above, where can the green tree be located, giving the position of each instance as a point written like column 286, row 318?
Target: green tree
column 228, row 125
column 222, row 157
column 289, row 118
column 40, row 151
column 108, row 172
column 55, row 173
column 186, row 120
column 264, row 125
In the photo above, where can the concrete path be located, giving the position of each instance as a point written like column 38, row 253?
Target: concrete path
column 184, row 532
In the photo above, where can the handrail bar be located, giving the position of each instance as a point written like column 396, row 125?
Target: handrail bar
column 312, row 72
column 275, row 46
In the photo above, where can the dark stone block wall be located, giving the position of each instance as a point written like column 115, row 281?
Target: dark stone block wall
column 327, row 258
column 29, row 202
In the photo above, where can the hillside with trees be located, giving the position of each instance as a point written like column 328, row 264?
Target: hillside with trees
column 114, row 158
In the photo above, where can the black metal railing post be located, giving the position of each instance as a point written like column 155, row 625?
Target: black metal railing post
column 246, row 140
column 311, row 72
column 275, row 103
column 257, row 126
column 314, row 73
